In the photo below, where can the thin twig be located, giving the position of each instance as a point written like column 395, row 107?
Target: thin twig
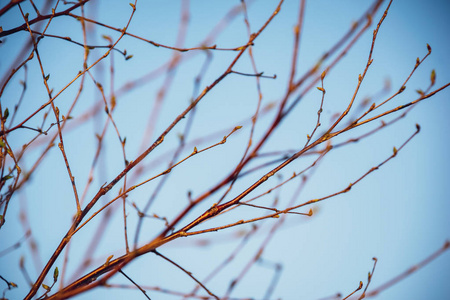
column 137, row 285
column 187, row 272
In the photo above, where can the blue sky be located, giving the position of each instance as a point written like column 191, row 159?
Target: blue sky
column 399, row 213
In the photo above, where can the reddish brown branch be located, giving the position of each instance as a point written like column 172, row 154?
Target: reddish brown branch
column 39, row 18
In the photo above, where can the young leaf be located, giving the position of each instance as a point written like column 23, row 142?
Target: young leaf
column 55, row 274
column 107, row 37
column 4, row 178
column 5, row 114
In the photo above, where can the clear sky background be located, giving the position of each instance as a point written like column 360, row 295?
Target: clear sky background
column 399, row 214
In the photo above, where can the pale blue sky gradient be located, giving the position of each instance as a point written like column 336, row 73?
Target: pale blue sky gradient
column 399, row 214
